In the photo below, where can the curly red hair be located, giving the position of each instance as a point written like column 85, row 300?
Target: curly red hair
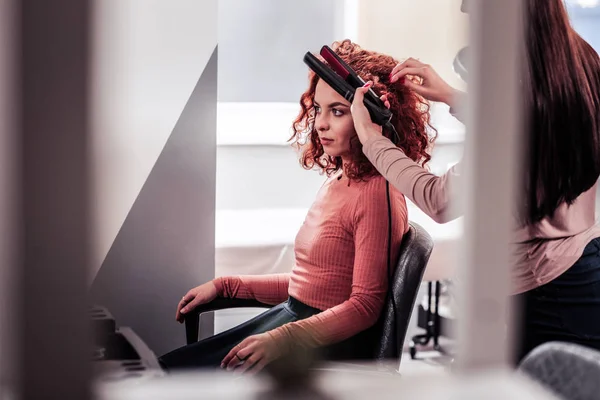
column 411, row 116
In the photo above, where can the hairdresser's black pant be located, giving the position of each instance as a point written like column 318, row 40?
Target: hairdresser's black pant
column 566, row 309
column 209, row 352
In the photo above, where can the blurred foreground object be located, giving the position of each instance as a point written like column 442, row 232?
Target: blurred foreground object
column 332, row 384
column 569, row 370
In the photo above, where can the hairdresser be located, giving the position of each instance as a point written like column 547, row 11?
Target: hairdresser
column 556, row 272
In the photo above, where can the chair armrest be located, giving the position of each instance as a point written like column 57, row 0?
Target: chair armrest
column 192, row 318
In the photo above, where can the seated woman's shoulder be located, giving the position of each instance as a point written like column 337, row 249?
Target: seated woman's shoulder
column 376, row 185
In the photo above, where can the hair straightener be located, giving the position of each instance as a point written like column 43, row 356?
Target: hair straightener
column 344, row 80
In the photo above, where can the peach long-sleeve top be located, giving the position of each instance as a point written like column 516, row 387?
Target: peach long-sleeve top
column 341, row 263
column 542, row 251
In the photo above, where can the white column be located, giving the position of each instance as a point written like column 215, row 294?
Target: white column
column 492, row 148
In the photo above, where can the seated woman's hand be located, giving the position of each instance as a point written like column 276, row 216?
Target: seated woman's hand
column 199, row 295
column 252, row 354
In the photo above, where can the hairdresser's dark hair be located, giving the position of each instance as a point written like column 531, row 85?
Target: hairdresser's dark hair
column 562, row 111
column 411, row 116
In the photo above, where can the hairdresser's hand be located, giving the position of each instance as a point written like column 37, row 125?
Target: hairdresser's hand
column 199, row 295
column 432, row 86
column 364, row 126
column 252, row 354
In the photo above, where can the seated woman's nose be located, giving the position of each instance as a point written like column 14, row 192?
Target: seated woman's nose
column 321, row 124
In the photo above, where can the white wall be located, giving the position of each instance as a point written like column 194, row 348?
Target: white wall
column 257, row 169
column 148, row 57
column 430, row 30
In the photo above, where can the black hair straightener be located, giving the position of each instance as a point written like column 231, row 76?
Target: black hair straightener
column 344, row 80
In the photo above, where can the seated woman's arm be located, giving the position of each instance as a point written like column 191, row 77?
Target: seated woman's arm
column 369, row 280
column 268, row 289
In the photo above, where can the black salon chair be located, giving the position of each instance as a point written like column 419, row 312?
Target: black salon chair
column 389, row 333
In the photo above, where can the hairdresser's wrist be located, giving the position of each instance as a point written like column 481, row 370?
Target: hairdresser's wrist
column 453, row 98
column 367, row 132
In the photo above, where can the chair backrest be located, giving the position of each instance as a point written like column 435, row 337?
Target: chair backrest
column 569, row 370
column 415, row 250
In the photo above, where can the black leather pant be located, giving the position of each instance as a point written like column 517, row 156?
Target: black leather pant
column 566, row 309
column 209, row 353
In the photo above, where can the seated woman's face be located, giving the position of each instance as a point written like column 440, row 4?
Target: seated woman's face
column 333, row 120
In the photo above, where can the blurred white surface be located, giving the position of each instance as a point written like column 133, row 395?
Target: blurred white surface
column 333, row 383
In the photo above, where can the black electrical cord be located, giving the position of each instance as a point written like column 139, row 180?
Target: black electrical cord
column 389, row 248
column 396, row 140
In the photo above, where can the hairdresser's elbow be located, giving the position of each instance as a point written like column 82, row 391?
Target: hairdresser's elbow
column 439, row 208
column 441, row 217
column 446, row 212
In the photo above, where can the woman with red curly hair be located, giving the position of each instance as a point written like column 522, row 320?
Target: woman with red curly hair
column 338, row 285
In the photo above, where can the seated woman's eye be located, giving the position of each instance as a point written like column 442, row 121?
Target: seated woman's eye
column 336, row 112
column 317, row 109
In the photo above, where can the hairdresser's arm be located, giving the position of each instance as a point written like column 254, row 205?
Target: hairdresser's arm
column 268, row 289
column 432, row 194
column 369, row 279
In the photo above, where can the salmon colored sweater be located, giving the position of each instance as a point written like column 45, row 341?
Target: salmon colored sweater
column 341, row 263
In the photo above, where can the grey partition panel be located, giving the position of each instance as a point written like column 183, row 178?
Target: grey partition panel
column 166, row 244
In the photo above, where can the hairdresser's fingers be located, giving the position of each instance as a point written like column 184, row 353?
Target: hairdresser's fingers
column 432, row 87
column 385, row 100
column 425, row 91
column 409, row 63
column 358, row 108
column 416, row 71
column 360, row 114
column 363, row 124
column 421, row 90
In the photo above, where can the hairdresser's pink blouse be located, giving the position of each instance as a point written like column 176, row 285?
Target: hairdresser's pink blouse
column 543, row 251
